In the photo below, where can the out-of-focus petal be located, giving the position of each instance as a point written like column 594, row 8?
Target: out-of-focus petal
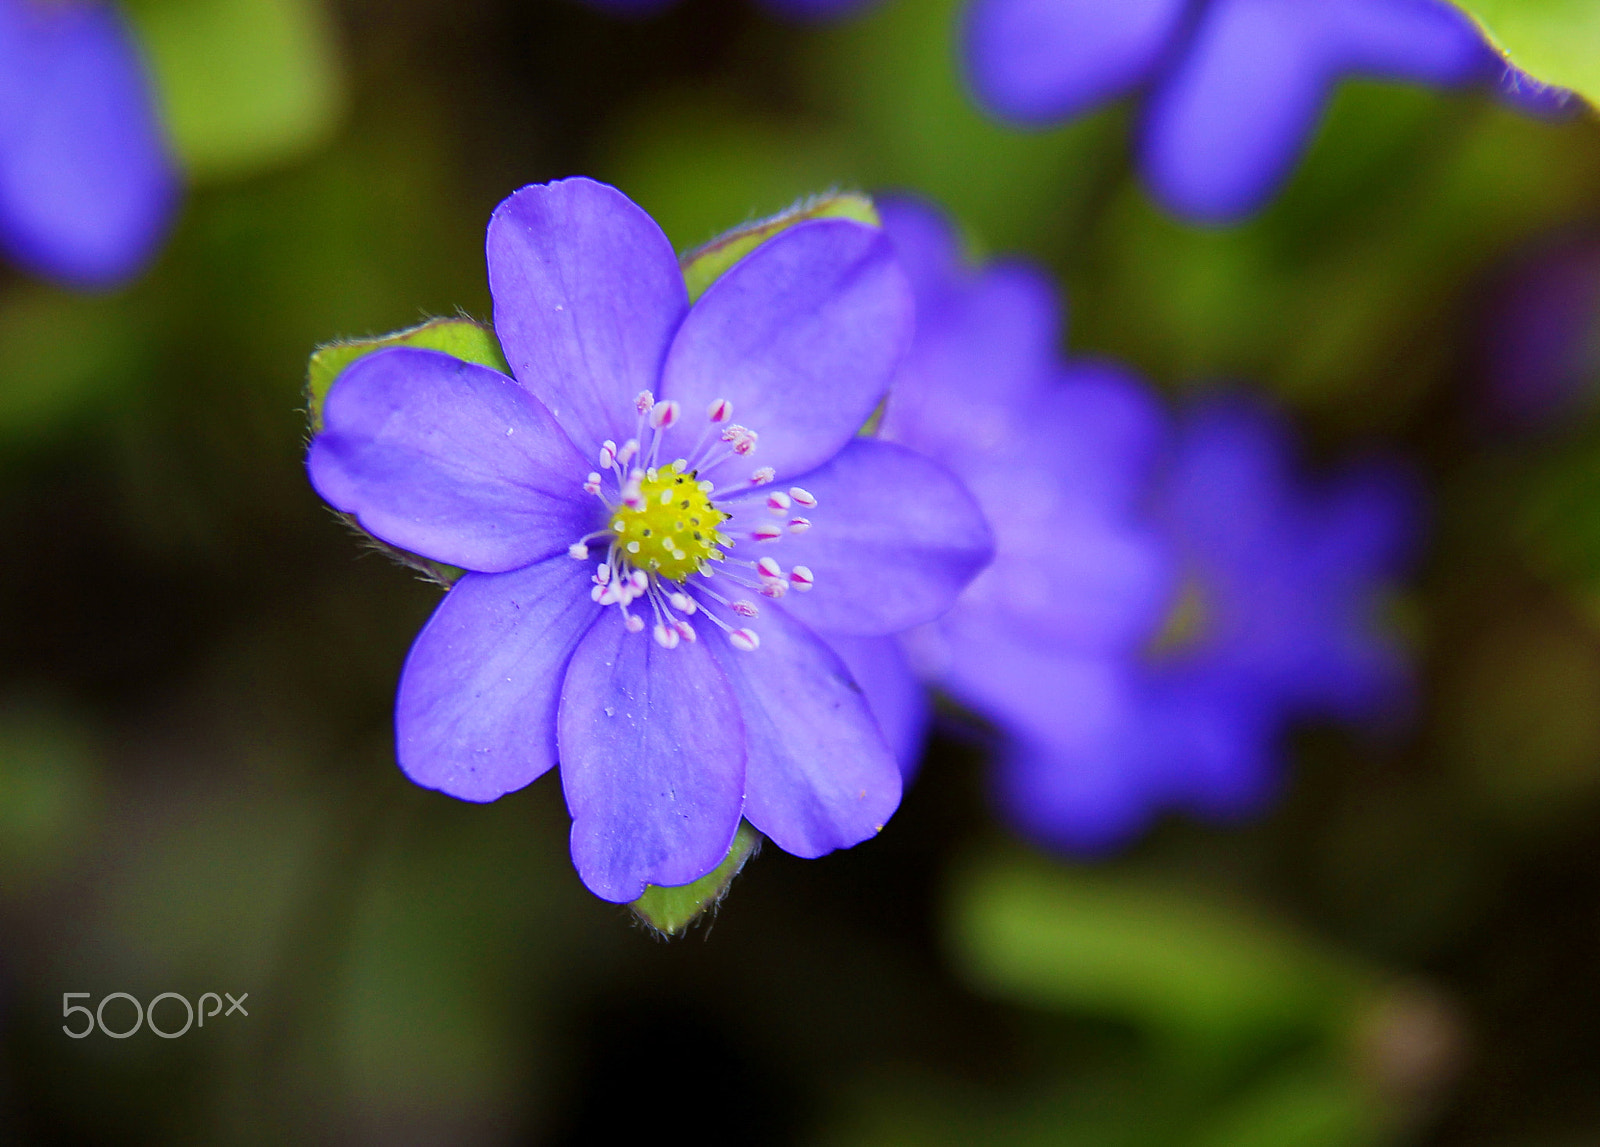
column 895, row 537
column 820, row 775
column 587, row 296
column 817, row 10
column 1235, row 113
column 652, row 760
column 925, row 243
column 450, row 460
column 897, row 699
column 88, row 186
column 1042, row 60
column 476, row 713
column 802, row 336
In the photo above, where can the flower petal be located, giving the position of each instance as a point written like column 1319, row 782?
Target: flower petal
column 476, row 713
column 652, row 761
column 802, row 336
column 587, row 295
column 1041, row 60
column 897, row 699
column 820, row 774
column 1231, row 120
column 87, row 185
column 450, row 460
column 895, row 539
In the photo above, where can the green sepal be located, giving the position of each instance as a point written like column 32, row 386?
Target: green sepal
column 671, row 910
column 466, row 339
column 1555, row 41
column 704, row 265
column 243, row 84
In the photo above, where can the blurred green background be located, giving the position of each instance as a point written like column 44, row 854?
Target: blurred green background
column 197, row 791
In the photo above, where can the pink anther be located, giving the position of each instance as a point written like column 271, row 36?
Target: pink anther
column 778, row 502
column 681, row 602
column 640, row 580
column 644, row 402
column 768, row 568
column 602, row 573
column 633, row 623
column 664, row 414
column 578, row 550
column 745, row 608
column 774, row 589
column 762, row 476
column 802, row 497
column 766, row 532
column 608, row 454
column 629, row 449
column 734, row 433
column 685, row 631
column 799, row 525
column 800, row 577
column 592, row 486
column 720, row 410
column 746, row 444
column 744, row 640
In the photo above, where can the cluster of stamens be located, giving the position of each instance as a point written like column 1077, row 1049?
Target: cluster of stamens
column 663, row 527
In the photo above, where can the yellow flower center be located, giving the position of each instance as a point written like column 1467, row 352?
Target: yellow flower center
column 671, row 529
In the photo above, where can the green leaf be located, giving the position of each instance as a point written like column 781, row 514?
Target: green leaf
column 1200, row 975
column 703, row 266
column 671, row 910
column 243, row 84
column 464, row 338
column 1555, row 41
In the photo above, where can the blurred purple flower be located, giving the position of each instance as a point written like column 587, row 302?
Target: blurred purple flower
column 1234, row 89
column 1541, row 334
column 87, row 184
column 600, row 499
column 805, row 10
column 1163, row 598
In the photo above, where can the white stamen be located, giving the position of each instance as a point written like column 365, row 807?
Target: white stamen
column 778, row 502
column 608, row 454
column 720, row 410
column 746, row 444
column 802, row 497
column 633, row 623
column 592, row 486
column 681, row 602
column 745, row 608
column 665, row 636
column 578, row 550
column 644, row 402
column 744, row 640
column 686, row 631
column 799, row 525
column 775, row 589
column 762, row 476
column 766, row 532
column 602, row 573
column 629, row 449
column 770, row 569
column 663, row 414
column 800, row 577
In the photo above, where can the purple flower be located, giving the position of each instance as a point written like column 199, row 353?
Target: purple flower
column 1164, row 595
column 1234, row 89
column 668, row 515
column 87, row 184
